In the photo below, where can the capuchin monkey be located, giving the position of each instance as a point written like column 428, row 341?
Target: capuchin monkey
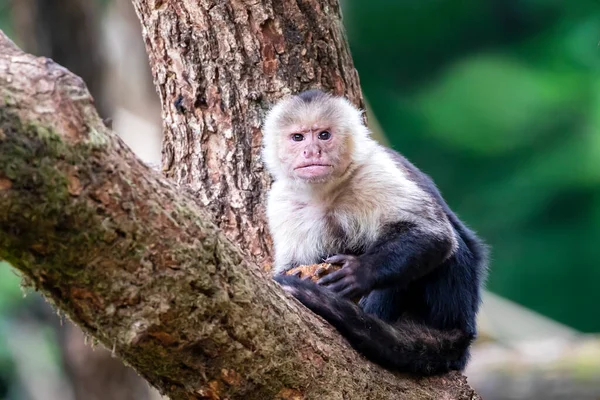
column 339, row 197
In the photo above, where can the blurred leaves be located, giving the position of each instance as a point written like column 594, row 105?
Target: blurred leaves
column 492, row 105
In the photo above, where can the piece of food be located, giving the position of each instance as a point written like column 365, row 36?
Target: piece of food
column 313, row 272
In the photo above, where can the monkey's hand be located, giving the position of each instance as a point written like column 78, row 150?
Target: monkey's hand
column 351, row 281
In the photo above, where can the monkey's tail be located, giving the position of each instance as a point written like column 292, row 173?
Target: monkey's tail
column 404, row 347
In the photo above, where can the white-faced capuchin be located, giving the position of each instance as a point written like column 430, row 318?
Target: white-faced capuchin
column 339, row 197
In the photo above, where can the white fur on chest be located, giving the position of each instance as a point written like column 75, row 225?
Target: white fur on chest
column 306, row 227
column 299, row 231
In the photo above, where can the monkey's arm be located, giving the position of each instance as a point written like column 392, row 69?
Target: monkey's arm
column 404, row 254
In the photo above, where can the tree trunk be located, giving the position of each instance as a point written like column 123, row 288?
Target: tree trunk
column 132, row 260
column 217, row 66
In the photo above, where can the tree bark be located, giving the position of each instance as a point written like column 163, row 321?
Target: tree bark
column 133, row 260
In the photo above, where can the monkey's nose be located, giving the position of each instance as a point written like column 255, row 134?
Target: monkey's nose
column 311, row 152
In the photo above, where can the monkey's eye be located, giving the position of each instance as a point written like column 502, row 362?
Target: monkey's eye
column 297, row 137
column 324, row 135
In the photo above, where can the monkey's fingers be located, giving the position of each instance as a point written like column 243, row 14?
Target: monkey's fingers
column 327, row 269
column 351, row 293
column 296, row 273
column 341, row 286
column 337, row 259
column 331, row 278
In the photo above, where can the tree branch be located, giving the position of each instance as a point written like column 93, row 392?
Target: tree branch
column 131, row 259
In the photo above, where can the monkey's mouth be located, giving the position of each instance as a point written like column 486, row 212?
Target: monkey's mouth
column 315, row 165
column 312, row 171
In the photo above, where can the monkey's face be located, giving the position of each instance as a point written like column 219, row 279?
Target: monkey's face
column 313, row 138
column 314, row 154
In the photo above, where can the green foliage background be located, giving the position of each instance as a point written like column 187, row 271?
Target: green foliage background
column 499, row 101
